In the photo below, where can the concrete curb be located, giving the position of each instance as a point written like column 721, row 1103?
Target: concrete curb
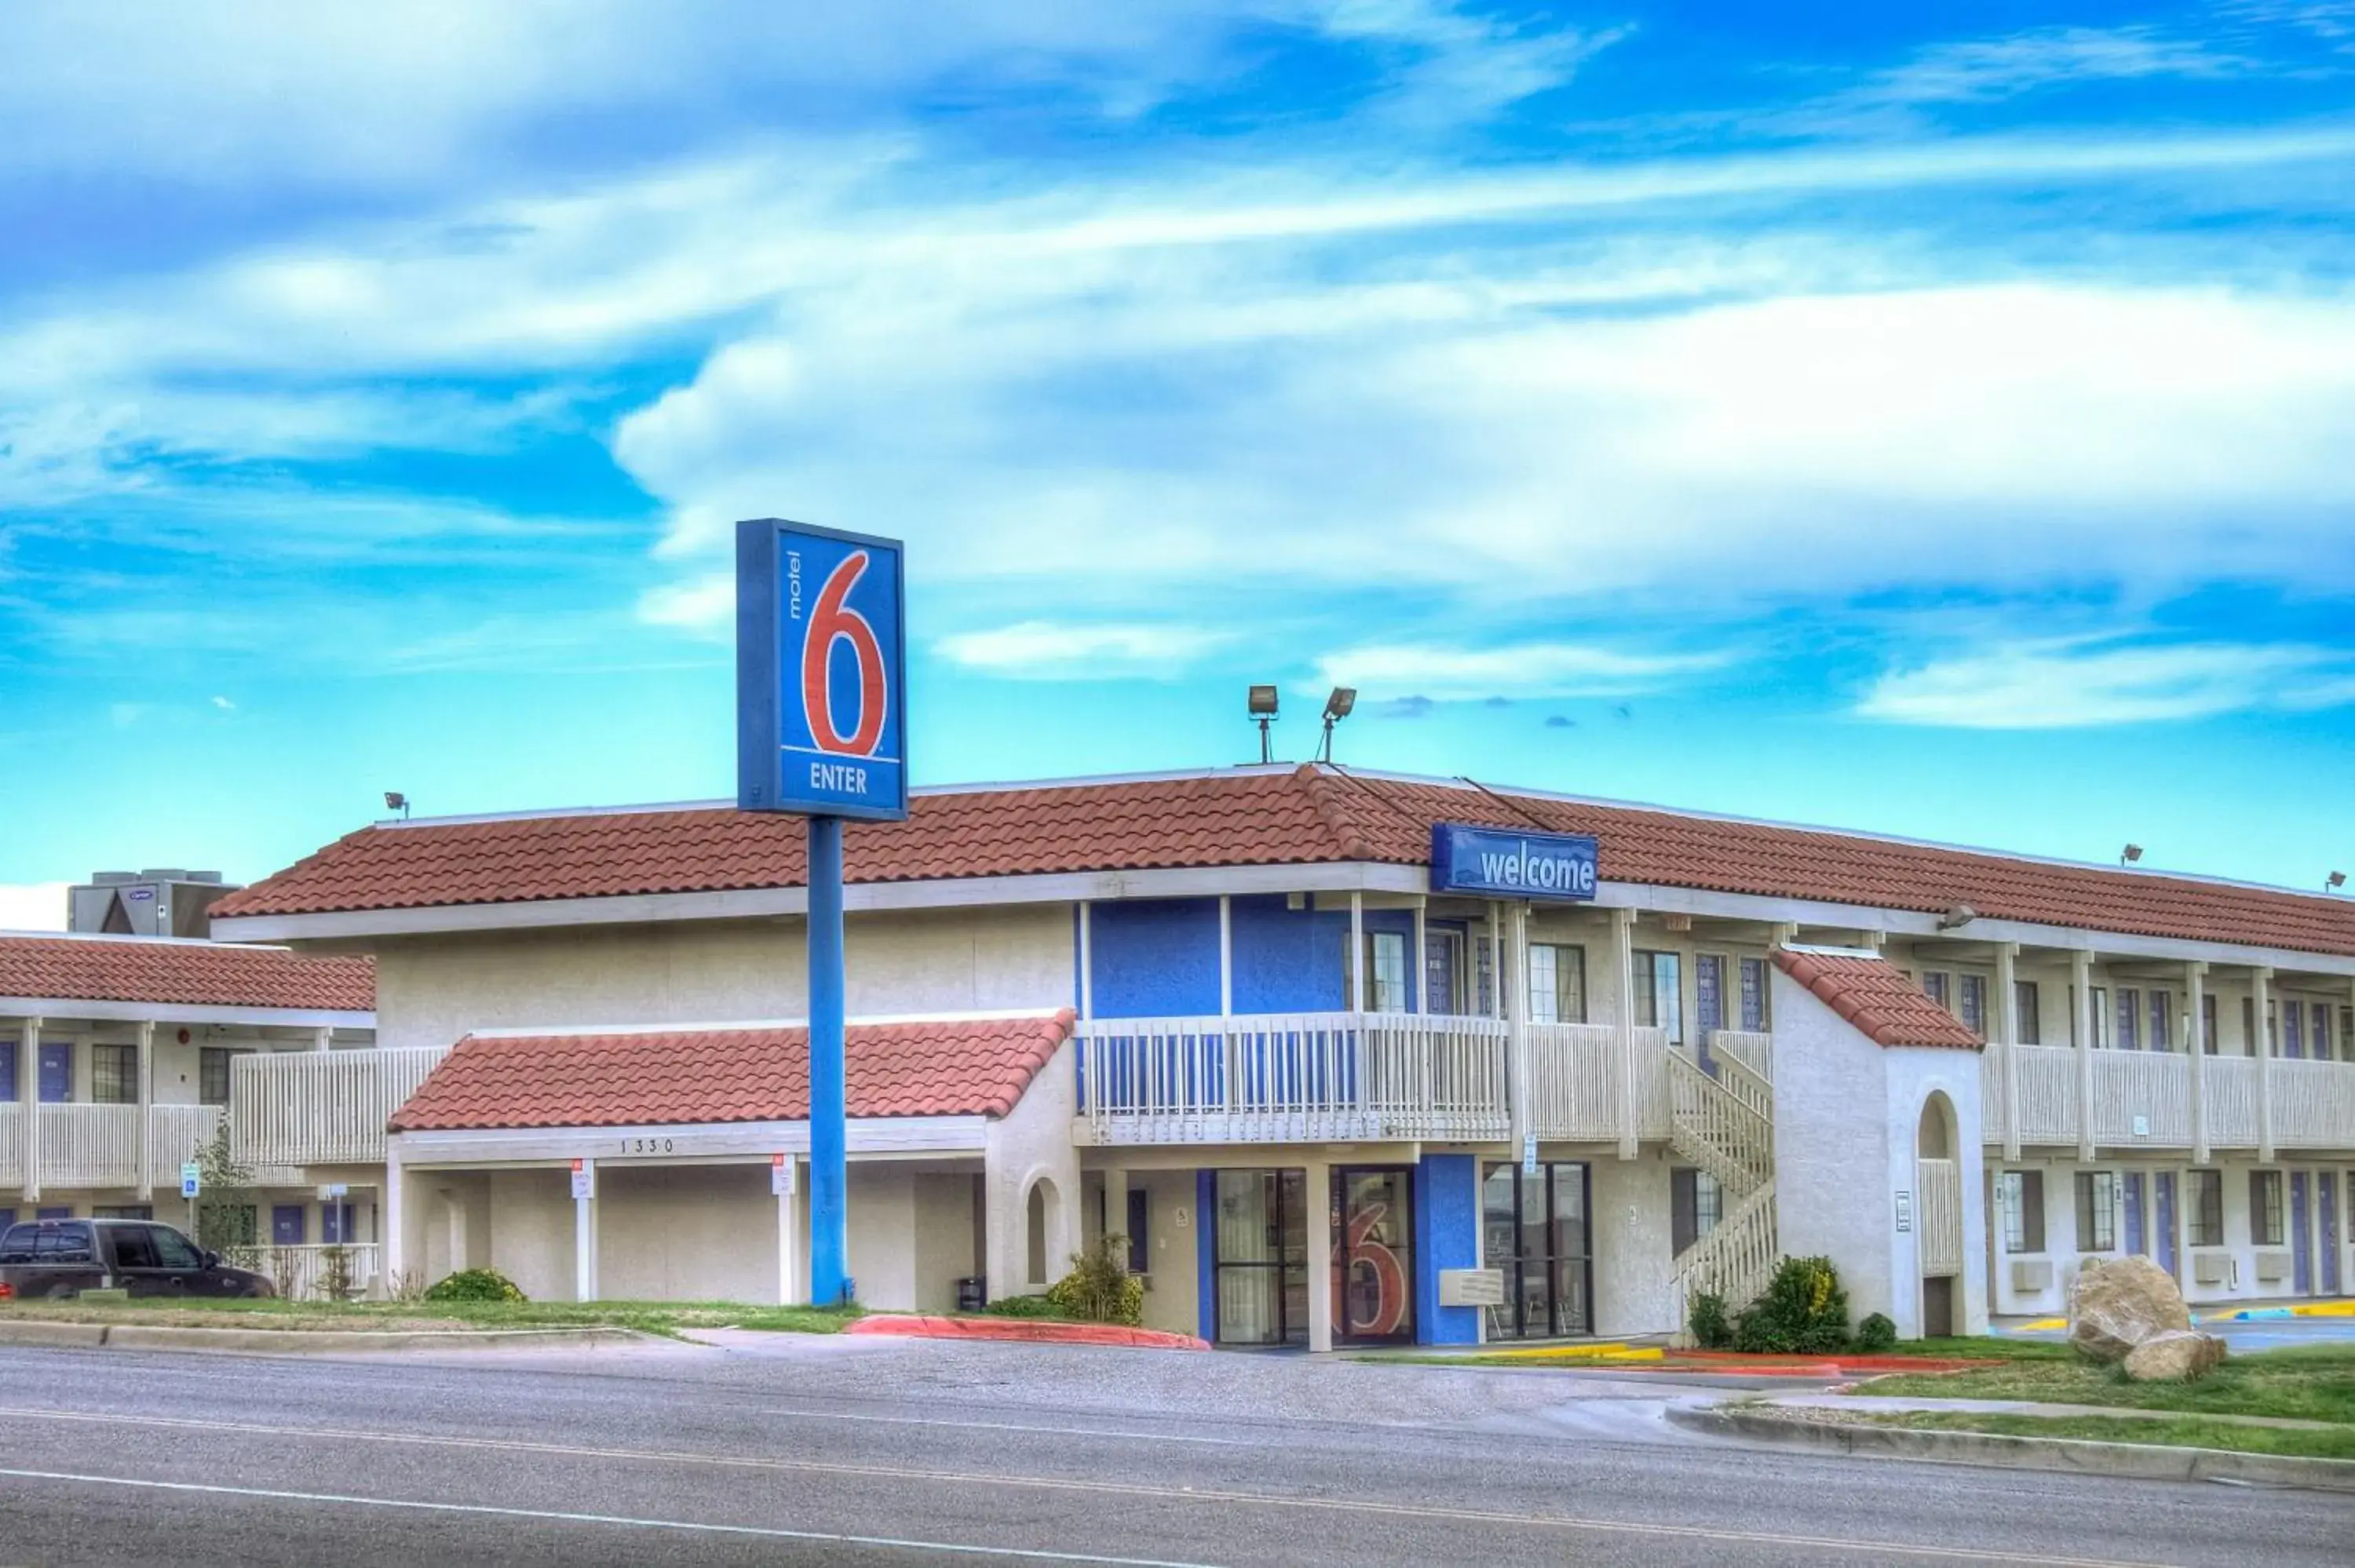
column 305, row 1342
column 2135, row 1460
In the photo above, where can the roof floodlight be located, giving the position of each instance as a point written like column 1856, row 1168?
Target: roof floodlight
column 1338, row 704
column 394, row 801
column 1263, row 708
column 2130, row 854
column 2335, row 881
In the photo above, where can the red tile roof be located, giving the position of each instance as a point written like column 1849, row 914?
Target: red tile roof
column 191, row 974
column 1253, row 817
column 679, row 1076
column 1877, row 997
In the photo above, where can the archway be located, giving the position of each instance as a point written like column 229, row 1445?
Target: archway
column 1938, row 1204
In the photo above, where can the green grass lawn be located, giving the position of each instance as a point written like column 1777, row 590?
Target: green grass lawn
column 665, row 1318
column 2173, row 1432
column 2308, row 1383
column 1984, row 1348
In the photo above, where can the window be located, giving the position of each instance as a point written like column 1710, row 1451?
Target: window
column 1660, row 993
column 1534, row 1230
column 1754, row 996
column 2321, row 1031
column 122, row 1211
column 132, row 1247
column 1940, row 987
column 337, row 1219
column 2027, row 1015
column 212, row 1074
column 1443, row 971
column 2097, row 1210
column 8, row 1071
column 1557, row 983
column 2020, row 1201
column 174, row 1250
column 114, row 1074
column 2129, row 1019
column 2206, row 1218
column 2208, row 1023
column 2266, row 1228
column 1974, row 1009
column 1696, row 1205
column 2162, row 1021
column 2293, row 1028
column 1385, row 973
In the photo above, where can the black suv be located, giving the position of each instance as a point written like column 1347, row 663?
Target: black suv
column 58, row 1259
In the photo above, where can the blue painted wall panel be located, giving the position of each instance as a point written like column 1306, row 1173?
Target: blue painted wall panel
column 1206, row 1253
column 1155, row 958
column 1446, row 1236
column 1291, row 960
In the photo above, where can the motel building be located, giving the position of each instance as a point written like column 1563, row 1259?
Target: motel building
column 118, row 1058
column 1331, row 1092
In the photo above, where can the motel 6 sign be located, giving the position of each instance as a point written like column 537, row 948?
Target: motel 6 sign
column 821, row 690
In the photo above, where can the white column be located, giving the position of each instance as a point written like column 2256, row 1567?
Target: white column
column 788, row 1232
column 2195, row 985
column 144, row 1150
column 2261, row 990
column 1087, row 998
column 28, row 1095
column 1317, row 1193
column 1496, row 962
column 1623, row 964
column 2007, row 1011
column 584, row 1237
column 2080, row 972
column 390, row 1214
column 323, row 1038
column 1116, row 1203
column 1418, row 962
column 1516, row 997
column 1357, row 951
column 1226, row 956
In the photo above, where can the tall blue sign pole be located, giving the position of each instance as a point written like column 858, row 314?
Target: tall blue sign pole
column 821, row 732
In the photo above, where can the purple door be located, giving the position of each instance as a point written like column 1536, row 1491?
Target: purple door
column 1709, row 995
column 2136, row 1242
column 2292, row 1017
column 2163, row 1185
column 335, row 1220
column 57, row 1074
column 2325, row 1192
column 2301, row 1238
column 7, row 1070
column 286, row 1225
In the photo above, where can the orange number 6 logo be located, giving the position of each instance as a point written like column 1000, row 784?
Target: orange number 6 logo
column 833, row 620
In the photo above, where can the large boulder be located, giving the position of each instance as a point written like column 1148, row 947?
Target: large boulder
column 2116, row 1305
column 2179, row 1355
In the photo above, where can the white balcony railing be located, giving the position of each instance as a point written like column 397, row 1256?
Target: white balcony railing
column 1940, row 1185
column 1292, row 1077
column 175, row 1134
column 322, row 1108
column 2162, row 1099
column 89, row 1145
column 12, row 1146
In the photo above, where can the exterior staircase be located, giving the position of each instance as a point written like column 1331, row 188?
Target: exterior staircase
column 1721, row 1120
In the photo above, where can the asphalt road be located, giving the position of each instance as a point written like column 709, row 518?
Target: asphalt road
column 785, row 1449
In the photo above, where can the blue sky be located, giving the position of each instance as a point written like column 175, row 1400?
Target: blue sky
column 1932, row 419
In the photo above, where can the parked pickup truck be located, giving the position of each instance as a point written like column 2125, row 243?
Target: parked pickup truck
column 58, row 1259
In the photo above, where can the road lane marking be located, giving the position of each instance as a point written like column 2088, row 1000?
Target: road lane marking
column 1112, row 1488
column 769, row 1532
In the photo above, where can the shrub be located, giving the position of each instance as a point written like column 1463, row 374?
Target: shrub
column 1024, row 1307
column 476, row 1285
column 1711, row 1331
column 1100, row 1289
column 1803, row 1311
column 1876, row 1334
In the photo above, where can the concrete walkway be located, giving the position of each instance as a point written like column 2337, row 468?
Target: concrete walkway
column 1869, row 1402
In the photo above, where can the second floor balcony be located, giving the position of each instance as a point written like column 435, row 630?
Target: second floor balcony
column 1374, row 1076
column 2055, row 1096
column 109, row 1148
column 306, row 1108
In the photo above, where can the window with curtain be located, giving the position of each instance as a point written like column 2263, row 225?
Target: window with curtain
column 2162, row 1021
column 2026, row 1013
column 2097, row 1210
column 1660, row 993
column 2129, row 1019
column 114, row 1074
column 1557, row 983
column 2204, row 1217
column 1973, row 996
column 2019, row 1207
column 2266, row 1226
column 1754, row 996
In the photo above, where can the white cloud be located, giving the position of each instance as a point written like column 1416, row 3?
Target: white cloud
column 1062, row 651
column 1983, row 69
column 33, row 905
column 2074, row 682
column 224, row 705
column 1523, row 670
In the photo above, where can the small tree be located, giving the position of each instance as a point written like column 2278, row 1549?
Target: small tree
column 1100, row 1289
column 228, row 1206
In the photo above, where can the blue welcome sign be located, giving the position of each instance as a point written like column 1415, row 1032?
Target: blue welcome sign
column 1501, row 861
column 821, row 688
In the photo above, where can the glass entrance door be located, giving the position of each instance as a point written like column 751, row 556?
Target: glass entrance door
column 1261, row 1258
column 1534, row 1229
column 1374, row 1255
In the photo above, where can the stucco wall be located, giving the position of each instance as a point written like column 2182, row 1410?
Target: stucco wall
column 1632, row 1262
column 688, row 1233
column 1034, row 1143
column 432, row 990
column 1172, row 1298
column 529, row 1221
column 944, row 1248
column 1835, row 1179
column 1914, row 1076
